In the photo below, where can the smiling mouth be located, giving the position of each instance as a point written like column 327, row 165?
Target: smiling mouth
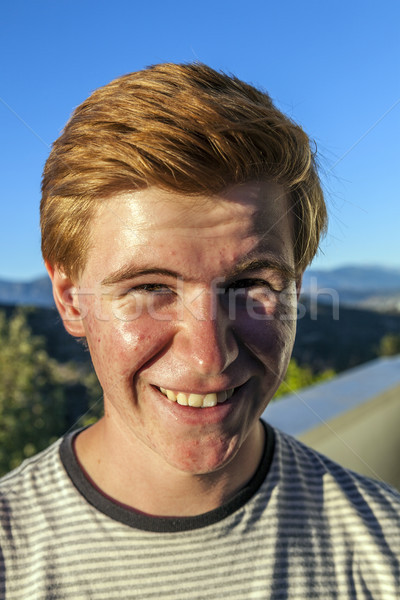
column 198, row 400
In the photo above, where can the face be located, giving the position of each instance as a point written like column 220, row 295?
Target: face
column 189, row 312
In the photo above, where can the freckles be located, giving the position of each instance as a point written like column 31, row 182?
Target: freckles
column 133, row 335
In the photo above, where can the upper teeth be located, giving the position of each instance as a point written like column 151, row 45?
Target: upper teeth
column 198, row 400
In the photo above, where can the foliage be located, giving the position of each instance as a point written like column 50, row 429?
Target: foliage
column 389, row 345
column 299, row 377
column 34, row 392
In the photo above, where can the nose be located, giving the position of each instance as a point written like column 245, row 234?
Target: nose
column 206, row 339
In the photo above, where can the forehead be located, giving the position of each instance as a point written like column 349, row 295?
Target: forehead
column 152, row 209
column 156, row 224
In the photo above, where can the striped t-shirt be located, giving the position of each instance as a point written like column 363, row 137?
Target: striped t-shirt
column 303, row 528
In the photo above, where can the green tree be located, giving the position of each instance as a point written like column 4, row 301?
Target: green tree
column 389, row 345
column 299, row 377
column 33, row 392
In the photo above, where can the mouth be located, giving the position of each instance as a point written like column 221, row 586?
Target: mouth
column 198, row 400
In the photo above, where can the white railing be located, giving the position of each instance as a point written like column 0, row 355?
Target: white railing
column 354, row 418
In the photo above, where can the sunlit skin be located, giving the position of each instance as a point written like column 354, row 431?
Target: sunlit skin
column 193, row 295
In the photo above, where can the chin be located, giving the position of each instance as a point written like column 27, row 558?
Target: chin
column 201, row 457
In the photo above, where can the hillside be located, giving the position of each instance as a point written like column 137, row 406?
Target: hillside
column 59, row 344
column 354, row 338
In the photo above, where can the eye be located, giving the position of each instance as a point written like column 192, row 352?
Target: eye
column 159, row 288
column 249, row 284
column 253, row 298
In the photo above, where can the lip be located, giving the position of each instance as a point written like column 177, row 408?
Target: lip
column 189, row 415
column 200, row 391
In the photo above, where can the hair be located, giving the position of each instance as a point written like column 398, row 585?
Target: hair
column 185, row 128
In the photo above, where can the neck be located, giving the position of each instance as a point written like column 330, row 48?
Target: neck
column 126, row 471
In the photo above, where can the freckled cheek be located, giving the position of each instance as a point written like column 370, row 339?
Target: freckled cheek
column 119, row 348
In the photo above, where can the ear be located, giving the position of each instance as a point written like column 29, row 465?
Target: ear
column 67, row 301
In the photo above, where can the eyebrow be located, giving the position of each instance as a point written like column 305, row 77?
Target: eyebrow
column 258, row 264
column 129, row 272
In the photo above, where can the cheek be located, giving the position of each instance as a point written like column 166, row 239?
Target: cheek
column 119, row 348
column 270, row 327
column 270, row 339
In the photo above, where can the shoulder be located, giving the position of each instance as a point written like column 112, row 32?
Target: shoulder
column 299, row 462
column 28, row 492
column 324, row 485
column 32, row 472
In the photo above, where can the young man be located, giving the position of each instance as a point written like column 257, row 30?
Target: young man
column 179, row 211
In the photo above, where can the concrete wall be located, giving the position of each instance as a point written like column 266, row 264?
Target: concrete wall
column 354, row 418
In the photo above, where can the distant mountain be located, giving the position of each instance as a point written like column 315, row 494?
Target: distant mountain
column 355, row 278
column 34, row 293
column 376, row 288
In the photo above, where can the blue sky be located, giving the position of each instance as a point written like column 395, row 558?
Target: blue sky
column 332, row 66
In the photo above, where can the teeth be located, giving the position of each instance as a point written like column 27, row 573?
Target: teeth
column 229, row 393
column 181, row 399
column 210, row 400
column 195, row 400
column 171, row 395
column 198, row 400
